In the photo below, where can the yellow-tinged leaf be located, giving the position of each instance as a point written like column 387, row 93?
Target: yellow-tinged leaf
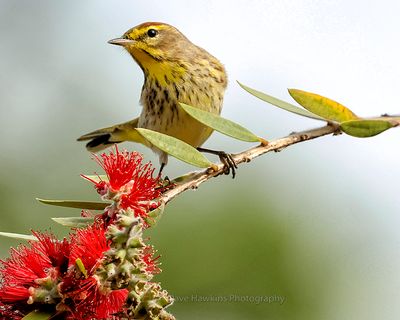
column 89, row 205
column 175, row 147
column 280, row 103
column 322, row 106
column 366, row 128
column 221, row 124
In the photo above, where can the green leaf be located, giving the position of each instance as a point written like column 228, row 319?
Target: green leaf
column 74, row 222
column 366, row 128
column 322, row 106
column 37, row 315
column 175, row 147
column 79, row 264
column 155, row 215
column 280, row 103
column 220, row 124
column 90, row 205
column 18, row 236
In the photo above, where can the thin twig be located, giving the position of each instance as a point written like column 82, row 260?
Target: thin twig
column 194, row 179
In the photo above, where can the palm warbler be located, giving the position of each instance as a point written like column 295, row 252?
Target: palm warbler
column 175, row 70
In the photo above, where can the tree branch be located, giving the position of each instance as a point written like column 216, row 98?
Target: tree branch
column 194, row 179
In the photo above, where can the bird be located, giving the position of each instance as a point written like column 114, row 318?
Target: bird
column 175, row 71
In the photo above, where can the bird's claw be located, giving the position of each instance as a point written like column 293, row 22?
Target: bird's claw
column 164, row 184
column 228, row 162
column 226, row 159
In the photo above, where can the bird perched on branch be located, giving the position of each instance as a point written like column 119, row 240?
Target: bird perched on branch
column 175, row 70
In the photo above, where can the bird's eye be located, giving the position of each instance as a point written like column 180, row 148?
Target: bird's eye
column 152, row 33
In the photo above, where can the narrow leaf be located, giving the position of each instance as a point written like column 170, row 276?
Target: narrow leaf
column 37, row 315
column 155, row 215
column 18, row 236
column 220, row 124
column 175, row 147
column 366, row 128
column 74, row 222
column 90, row 205
column 322, row 106
column 280, row 103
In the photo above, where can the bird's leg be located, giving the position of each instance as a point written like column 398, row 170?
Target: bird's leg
column 225, row 158
column 166, row 182
column 166, row 179
column 161, row 168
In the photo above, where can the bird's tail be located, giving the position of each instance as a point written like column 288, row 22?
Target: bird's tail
column 103, row 138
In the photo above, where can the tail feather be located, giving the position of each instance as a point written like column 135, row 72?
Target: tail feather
column 100, row 142
column 103, row 138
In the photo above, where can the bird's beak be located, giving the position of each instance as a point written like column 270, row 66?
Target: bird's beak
column 121, row 41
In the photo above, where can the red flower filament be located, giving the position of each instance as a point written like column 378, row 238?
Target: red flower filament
column 143, row 189
column 152, row 264
column 120, row 167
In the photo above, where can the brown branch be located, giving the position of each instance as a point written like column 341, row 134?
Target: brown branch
column 194, row 179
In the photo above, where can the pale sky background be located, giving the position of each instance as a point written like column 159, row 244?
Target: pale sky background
column 59, row 79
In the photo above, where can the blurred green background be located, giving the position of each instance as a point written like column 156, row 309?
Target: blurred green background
column 316, row 224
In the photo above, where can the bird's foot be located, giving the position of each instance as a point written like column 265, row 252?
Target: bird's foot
column 226, row 159
column 229, row 163
column 164, row 183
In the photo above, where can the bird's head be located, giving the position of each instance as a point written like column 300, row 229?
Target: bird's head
column 153, row 42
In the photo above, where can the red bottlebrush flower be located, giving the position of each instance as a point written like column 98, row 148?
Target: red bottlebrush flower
column 75, row 279
column 89, row 245
column 120, row 168
column 143, row 189
column 46, row 273
column 31, row 275
column 87, row 297
column 131, row 179
column 30, row 267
